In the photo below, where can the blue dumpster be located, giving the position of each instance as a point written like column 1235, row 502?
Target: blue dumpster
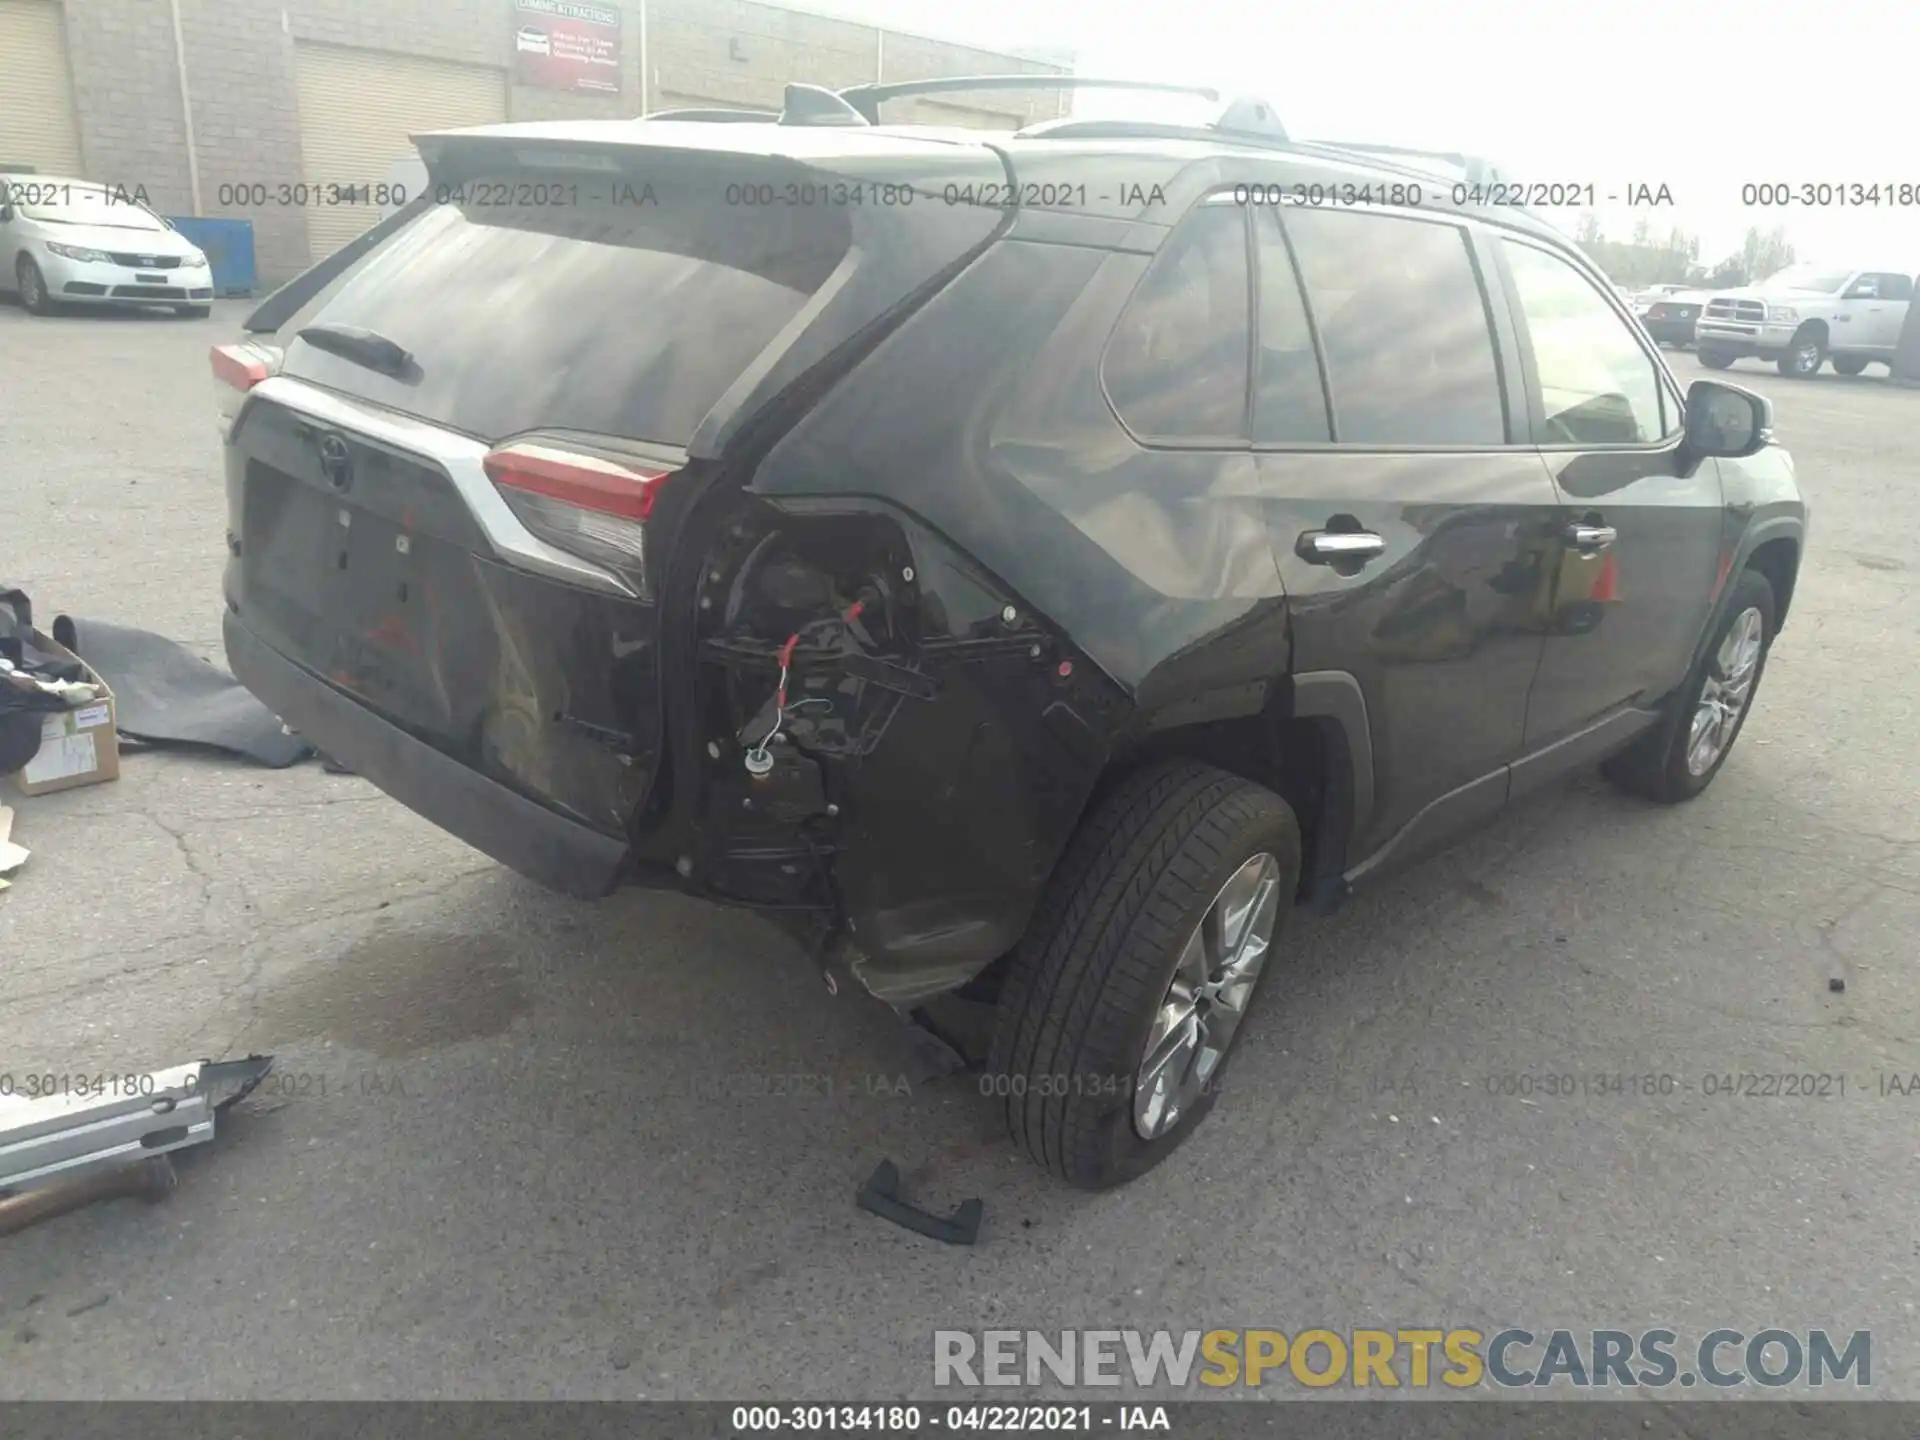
column 229, row 247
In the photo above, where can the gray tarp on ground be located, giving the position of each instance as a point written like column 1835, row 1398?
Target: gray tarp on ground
column 164, row 694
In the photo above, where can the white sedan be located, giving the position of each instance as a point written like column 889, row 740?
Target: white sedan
column 75, row 242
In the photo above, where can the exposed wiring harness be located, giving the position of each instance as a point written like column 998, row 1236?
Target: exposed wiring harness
column 758, row 760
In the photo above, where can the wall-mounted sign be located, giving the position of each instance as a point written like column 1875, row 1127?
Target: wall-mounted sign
column 566, row 45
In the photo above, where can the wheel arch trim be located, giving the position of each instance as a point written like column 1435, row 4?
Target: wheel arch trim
column 1761, row 532
column 1336, row 696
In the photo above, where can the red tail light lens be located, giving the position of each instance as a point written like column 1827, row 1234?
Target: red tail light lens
column 589, row 506
column 586, row 481
column 241, row 366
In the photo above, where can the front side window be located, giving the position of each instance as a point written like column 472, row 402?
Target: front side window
column 1891, row 287
column 1403, row 324
column 1598, row 386
column 1176, row 367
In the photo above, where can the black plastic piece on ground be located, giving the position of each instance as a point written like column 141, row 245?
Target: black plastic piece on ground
column 881, row 1196
column 233, row 1080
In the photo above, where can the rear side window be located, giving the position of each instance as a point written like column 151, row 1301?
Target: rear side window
column 1598, row 386
column 537, row 302
column 1403, row 323
column 1176, row 367
column 1289, row 402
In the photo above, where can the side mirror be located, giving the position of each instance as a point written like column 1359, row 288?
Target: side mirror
column 1865, row 290
column 1727, row 421
column 6, row 214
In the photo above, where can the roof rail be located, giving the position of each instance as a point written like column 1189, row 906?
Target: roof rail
column 867, row 99
column 816, row 105
column 718, row 117
column 1250, row 115
column 1479, row 170
column 1256, row 125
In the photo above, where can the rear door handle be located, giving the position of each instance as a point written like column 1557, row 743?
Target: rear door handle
column 1324, row 547
column 1586, row 537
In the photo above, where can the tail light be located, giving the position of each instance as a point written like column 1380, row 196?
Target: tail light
column 587, row 505
column 239, row 368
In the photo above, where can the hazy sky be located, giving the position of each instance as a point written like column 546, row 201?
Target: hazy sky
column 1694, row 96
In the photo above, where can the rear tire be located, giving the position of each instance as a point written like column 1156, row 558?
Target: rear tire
column 1096, row 969
column 1714, row 358
column 1658, row 764
column 1849, row 364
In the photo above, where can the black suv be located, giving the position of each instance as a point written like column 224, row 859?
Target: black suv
column 1027, row 565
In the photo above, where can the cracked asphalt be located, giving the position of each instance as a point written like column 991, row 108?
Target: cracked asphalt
column 523, row 1147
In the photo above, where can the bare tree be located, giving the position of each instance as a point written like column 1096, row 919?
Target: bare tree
column 1765, row 253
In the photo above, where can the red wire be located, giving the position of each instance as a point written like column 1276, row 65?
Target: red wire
column 786, row 661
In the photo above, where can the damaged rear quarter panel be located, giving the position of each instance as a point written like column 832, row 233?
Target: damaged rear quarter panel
column 983, row 424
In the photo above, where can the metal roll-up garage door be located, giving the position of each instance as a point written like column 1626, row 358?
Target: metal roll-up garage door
column 357, row 108
column 37, row 126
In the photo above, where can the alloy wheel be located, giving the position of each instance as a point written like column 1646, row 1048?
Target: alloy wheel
column 33, row 293
column 1726, row 691
column 1208, row 996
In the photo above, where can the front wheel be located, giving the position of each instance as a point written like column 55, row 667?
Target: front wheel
column 1678, row 758
column 1714, row 359
column 1125, row 998
column 32, row 286
column 1849, row 364
column 1804, row 357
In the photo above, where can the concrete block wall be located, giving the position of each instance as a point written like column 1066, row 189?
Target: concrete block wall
column 126, row 92
column 735, row 52
column 240, row 72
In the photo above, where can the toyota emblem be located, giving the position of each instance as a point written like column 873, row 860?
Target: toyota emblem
column 336, row 461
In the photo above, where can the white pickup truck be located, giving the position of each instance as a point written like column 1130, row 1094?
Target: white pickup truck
column 1805, row 316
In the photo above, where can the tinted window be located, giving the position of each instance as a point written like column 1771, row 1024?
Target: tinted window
column 1598, row 385
column 598, row 312
column 1176, row 367
column 1895, row 287
column 1409, row 351
column 1288, row 401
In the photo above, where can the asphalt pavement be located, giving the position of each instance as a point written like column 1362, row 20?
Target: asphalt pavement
column 519, row 1146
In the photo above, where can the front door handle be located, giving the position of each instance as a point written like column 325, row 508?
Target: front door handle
column 1588, row 538
column 1326, row 547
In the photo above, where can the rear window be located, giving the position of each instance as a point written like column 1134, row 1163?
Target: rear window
column 558, row 302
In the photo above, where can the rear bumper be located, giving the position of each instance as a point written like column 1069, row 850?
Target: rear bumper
column 559, row 853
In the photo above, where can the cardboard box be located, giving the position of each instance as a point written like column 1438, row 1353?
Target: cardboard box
column 77, row 747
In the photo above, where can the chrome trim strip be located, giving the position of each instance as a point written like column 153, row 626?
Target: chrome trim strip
column 459, row 456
